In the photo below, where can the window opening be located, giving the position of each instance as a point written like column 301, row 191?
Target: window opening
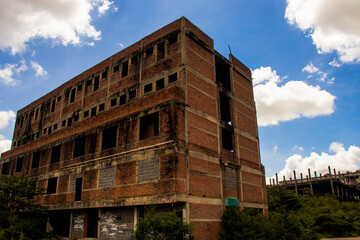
column 55, row 126
column 86, row 113
column 50, row 130
column 72, row 95
column 55, row 154
column 160, row 51
column 160, row 84
column 122, row 99
column 149, row 125
column 149, row 51
column 5, row 168
column 132, row 94
column 35, row 159
column 91, row 219
column 78, row 188
column 53, row 105
column 173, row 39
column 125, row 68
column 113, row 102
column 222, row 73
column 69, row 122
column 88, row 82
column 44, row 131
column 148, row 88
column 172, row 77
column 134, row 59
column 63, row 123
column 79, row 147
column 104, row 75
column 93, row 111
column 76, row 117
column 79, row 88
column 227, row 139
column 36, row 113
column 96, row 83
column 101, row 107
column 225, row 109
column 116, row 68
column 67, row 93
column 52, row 182
column 109, row 137
column 59, row 98
column 19, row 164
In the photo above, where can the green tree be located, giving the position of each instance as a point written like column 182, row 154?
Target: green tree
column 162, row 226
column 20, row 216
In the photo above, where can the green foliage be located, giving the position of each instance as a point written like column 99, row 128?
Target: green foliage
column 162, row 226
column 20, row 216
column 294, row 217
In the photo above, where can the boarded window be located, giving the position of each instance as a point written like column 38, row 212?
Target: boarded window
column 227, row 139
column 78, row 189
column 230, row 178
column 79, row 147
column 109, row 137
column 5, row 168
column 149, row 125
column 160, row 51
column 52, row 184
column 106, row 177
column 55, row 154
column 148, row 88
column 160, row 84
column 125, row 68
column 19, row 164
column 172, row 77
column 35, row 159
column 72, row 95
column 96, row 83
column 148, row 170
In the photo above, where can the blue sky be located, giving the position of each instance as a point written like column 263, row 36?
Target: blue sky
column 304, row 55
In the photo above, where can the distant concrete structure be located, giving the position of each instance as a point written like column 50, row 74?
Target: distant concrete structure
column 345, row 186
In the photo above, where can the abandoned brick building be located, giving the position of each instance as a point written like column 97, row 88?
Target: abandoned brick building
column 166, row 121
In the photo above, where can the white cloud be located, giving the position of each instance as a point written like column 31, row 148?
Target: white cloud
column 64, row 21
column 104, row 5
column 6, row 117
column 310, row 68
column 297, row 148
column 5, row 144
column 338, row 157
column 8, row 70
column 333, row 25
column 121, row 45
column 39, row 70
column 278, row 103
column 275, row 149
column 334, row 63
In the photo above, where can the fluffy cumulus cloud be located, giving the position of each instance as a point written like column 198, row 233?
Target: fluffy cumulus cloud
column 39, row 70
column 8, row 71
column 322, row 76
column 276, row 102
column 5, row 144
column 338, row 157
column 64, row 21
column 333, row 25
column 6, row 117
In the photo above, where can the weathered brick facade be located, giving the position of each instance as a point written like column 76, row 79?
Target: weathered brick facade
column 166, row 121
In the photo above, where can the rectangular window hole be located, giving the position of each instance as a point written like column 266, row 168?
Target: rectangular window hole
column 55, row 126
column 55, row 154
column 132, row 94
column 78, row 189
column 222, row 69
column 122, row 99
column 104, row 75
column 93, row 111
column 79, row 87
column 113, row 102
column 160, row 51
column 173, row 39
column 5, row 168
column 72, row 95
column 172, row 77
column 53, row 102
column 63, row 123
column 225, row 108
column 116, row 68
column 160, row 84
column 96, row 83
column 76, row 117
column 69, row 122
column 52, row 182
column 149, row 51
column 125, row 68
column 148, row 88
column 35, row 159
column 109, row 137
column 134, row 59
column 59, row 98
column 101, row 107
column 149, row 125
column 88, row 82
column 79, row 147
column 227, row 139
column 44, row 131
column 50, row 130
column 19, row 164
column 86, row 113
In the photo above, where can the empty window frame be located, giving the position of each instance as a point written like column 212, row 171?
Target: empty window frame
column 149, row 125
column 53, row 102
column 109, row 137
column 227, row 139
column 88, row 82
column 225, row 109
column 44, row 131
column 222, row 73
column 122, row 99
column 160, row 84
column 72, row 95
column 55, row 126
column 116, row 68
column 96, row 83
column 52, row 185
column 59, row 98
column 55, row 154
column 19, row 164
column 36, row 113
column 173, row 39
column 69, row 122
column 125, row 69
column 76, row 117
column 134, row 59
column 79, row 147
column 78, row 189
column 93, row 112
column 86, row 113
column 113, row 102
column 49, row 130
column 104, row 75
column 35, row 160
column 172, row 78
column 149, row 51
column 79, row 87
column 132, row 94
column 63, row 123
column 5, row 168
column 160, row 51
column 101, row 107
column 148, row 88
